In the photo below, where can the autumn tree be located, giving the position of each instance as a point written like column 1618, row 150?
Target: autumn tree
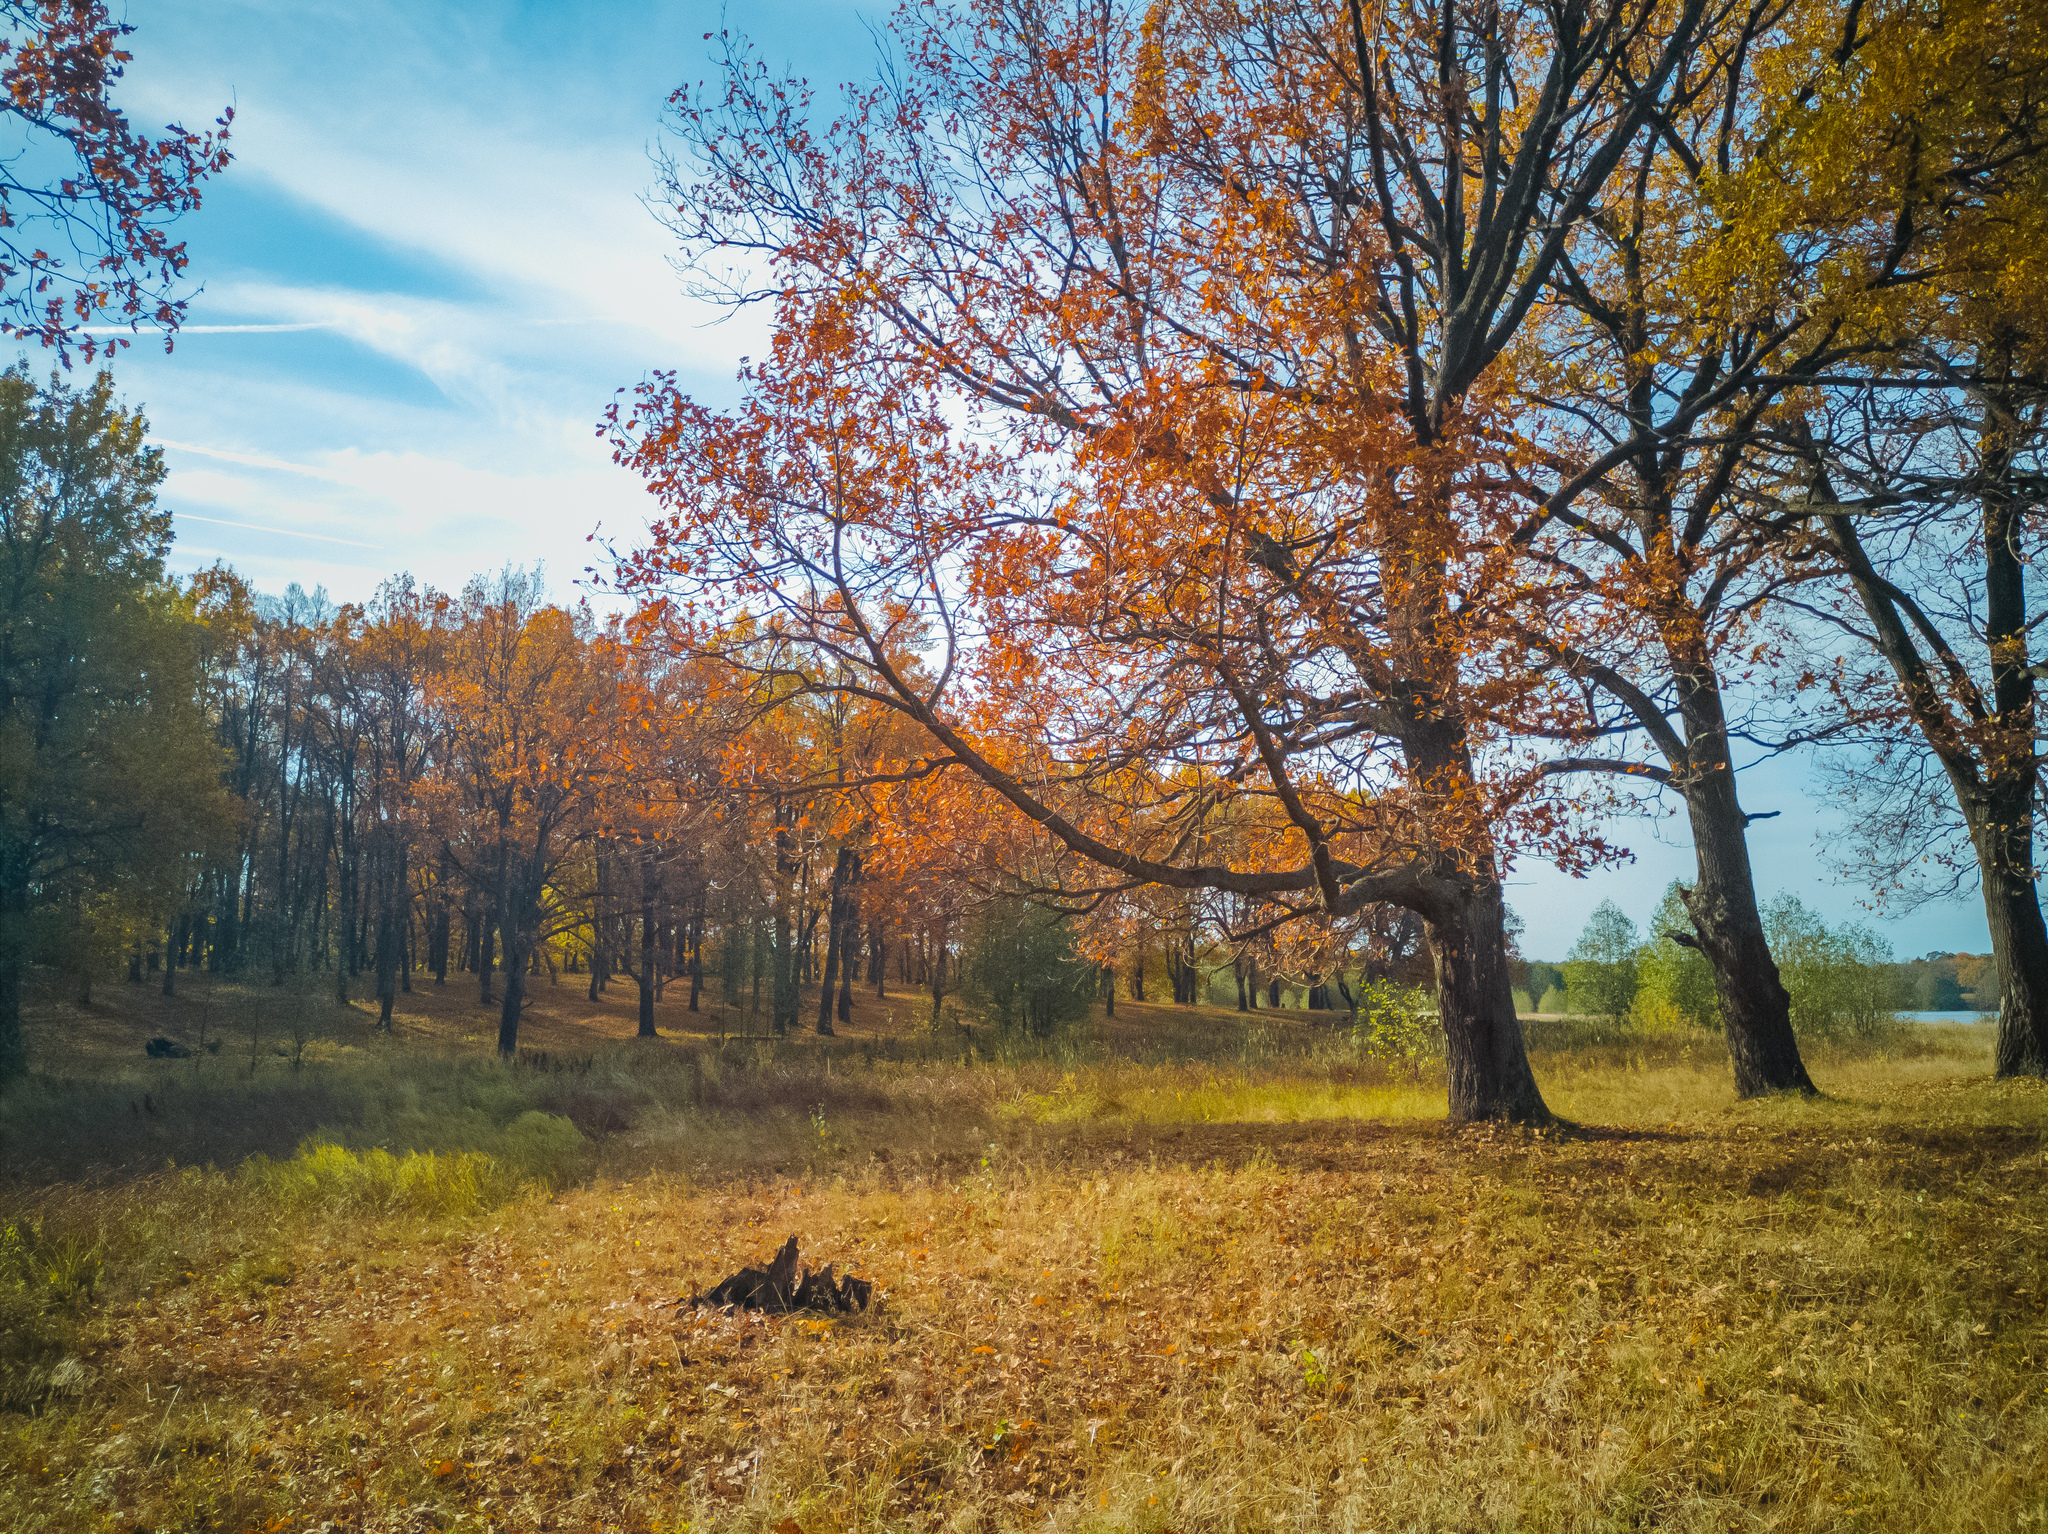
column 86, row 208
column 1220, row 290
column 519, row 691
column 1915, row 477
column 109, row 778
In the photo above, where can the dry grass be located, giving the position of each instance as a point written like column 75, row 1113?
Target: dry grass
column 1215, row 1282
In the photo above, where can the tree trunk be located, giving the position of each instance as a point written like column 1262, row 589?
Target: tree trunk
column 1756, row 1016
column 2019, row 949
column 1485, row 1062
column 344, row 925
column 697, row 946
column 843, row 869
column 174, row 954
column 647, row 944
column 387, row 964
column 14, row 937
column 515, row 997
column 879, row 949
column 1108, row 978
column 439, row 947
column 2002, row 830
column 1237, row 970
column 849, row 948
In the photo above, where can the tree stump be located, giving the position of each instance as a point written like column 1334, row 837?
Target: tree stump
column 782, row 1287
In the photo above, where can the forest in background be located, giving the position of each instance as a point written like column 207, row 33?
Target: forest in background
column 1224, row 485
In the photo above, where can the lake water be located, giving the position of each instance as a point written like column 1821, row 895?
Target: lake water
column 1950, row 1017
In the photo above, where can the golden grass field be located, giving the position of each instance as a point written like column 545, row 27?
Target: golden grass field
column 1186, row 1275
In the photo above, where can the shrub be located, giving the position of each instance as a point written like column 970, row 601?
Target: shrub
column 1395, row 1023
column 1022, row 965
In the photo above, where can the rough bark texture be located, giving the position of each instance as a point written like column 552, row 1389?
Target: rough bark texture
column 1486, row 1063
column 1756, row 1010
column 515, row 997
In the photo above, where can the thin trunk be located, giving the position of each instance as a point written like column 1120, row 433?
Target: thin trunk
column 174, row 953
column 697, row 947
column 439, row 947
column 849, row 949
column 647, row 943
column 14, row 937
column 845, row 868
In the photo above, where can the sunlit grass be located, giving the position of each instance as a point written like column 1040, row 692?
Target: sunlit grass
column 1161, row 1096
column 1248, row 1291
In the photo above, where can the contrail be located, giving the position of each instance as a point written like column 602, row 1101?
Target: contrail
column 214, row 330
column 282, row 532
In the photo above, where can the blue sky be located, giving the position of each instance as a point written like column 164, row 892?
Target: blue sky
column 435, row 216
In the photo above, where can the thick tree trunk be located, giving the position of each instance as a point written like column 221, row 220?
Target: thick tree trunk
column 515, row 997
column 2001, row 818
column 1756, row 1015
column 438, row 949
column 1485, row 1062
column 1109, row 990
column 2019, row 948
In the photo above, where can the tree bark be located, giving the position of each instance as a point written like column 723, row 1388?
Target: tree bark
column 697, row 946
column 515, row 996
column 647, row 944
column 849, row 949
column 438, row 948
column 1485, row 1061
column 1756, row 1010
column 835, row 931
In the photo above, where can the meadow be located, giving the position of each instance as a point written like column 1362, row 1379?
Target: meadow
column 1182, row 1271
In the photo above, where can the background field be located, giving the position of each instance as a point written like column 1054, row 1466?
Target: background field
column 1185, row 1271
